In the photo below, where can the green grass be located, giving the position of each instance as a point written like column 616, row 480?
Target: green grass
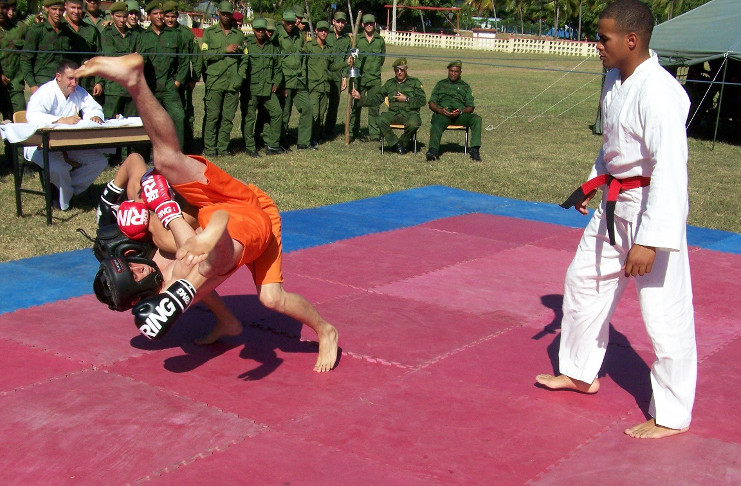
column 539, row 148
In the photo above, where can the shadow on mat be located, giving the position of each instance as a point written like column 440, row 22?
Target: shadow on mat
column 626, row 368
column 265, row 332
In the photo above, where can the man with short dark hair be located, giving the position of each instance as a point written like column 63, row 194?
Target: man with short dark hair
column 451, row 103
column 639, row 230
column 61, row 100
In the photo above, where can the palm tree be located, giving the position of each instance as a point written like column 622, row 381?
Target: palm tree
column 519, row 7
column 482, row 6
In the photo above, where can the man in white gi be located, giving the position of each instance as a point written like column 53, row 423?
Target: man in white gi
column 639, row 229
column 61, row 100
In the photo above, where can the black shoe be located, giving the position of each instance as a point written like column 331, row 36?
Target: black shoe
column 273, row 150
column 305, row 147
column 475, row 154
column 252, row 153
column 400, row 148
column 286, row 149
column 432, row 155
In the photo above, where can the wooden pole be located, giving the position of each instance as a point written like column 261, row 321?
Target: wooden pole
column 350, row 82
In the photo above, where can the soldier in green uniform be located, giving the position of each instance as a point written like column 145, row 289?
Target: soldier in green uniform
column 117, row 40
column 45, row 45
column 260, row 65
column 220, row 47
column 262, row 113
column 317, row 69
column 291, row 44
column 451, row 103
column 164, row 69
column 340, row 43
column 85, row 40
column 12, row 35
column 193, row 59
column 372, row 49
column 132, row 21
column 93, row 14
column 405, row 97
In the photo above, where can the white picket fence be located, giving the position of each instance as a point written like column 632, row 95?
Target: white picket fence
column 511, row 44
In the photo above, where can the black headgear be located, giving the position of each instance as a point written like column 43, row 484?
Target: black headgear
column 115, row 286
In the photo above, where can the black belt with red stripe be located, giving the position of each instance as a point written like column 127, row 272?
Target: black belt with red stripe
column 614, row 187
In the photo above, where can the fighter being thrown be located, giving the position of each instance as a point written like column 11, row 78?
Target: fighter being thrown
column 241, row 224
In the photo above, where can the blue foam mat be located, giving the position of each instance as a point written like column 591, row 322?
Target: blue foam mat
column 48, row 278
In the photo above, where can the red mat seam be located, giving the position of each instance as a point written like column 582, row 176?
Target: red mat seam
column 51, row 379
column 719, row 348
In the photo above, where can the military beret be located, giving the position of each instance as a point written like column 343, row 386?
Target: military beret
column 270, row 24
column 340, row 16
column 133, row 6
column 154, row 4
column 238, row 16
column 259, row 23
column 322, row 24
column 170, row 6
column 226, row 7
column 369, row 19
column 457, row 64
column 289, row 16
column 49, row 3
column 119, row 7
column 402, row 61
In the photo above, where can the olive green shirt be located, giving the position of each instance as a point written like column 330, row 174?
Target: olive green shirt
column 371, row 58
column 317, row 66
column 292, row 62
column 193, row 49
column 452, row 96
column 411, row 88
column 340, row 51
column 261, row 67
column 40, row 67
column 12, row 38
column 221, row 69
column 162, row 64
column 112, row 43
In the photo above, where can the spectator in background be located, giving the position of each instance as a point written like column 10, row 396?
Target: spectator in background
column 372, row 49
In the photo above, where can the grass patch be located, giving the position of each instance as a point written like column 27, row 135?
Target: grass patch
column 539, row 148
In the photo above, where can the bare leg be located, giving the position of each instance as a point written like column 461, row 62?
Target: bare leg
column 128, row 71
column 227, row 323
column 563, row 382
column 274, row 297
column 650, row 430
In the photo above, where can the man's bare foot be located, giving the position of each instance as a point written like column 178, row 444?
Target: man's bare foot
column 563, row 382
column 649, row 430
column 328, row 339
column 196, row 248
column 126, row 70
column 224, row 328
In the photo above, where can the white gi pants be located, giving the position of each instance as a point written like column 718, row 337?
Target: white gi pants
column 593, row 287
column 70, row 181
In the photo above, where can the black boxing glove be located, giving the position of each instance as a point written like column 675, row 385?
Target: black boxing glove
column 155, row 315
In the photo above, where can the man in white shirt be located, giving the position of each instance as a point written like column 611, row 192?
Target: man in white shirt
column 638, row 231
column 61, row 100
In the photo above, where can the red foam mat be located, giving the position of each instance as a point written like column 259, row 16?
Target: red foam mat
column 443, row 328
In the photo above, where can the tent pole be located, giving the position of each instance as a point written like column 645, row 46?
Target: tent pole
column 720, row 100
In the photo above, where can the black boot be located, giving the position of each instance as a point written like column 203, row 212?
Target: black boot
column 475, row 154
column 432, row 155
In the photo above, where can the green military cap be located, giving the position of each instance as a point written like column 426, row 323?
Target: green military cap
column 340, row 16
column 289, row 16
column 170, row 6
column 154, row 4
column 78, row 2
column 259, row 23
column 457, row 64
column 369, row 19
column 133, row 6
column 226, row 7
column 119, row 7
column 299, row 10
column 49, row 3
column 400, row 62
column 270, row 24
column 322, row 24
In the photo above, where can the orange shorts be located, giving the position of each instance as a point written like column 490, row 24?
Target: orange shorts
column 254, row 220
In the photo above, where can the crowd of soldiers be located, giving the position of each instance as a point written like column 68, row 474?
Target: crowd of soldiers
column 268, row 74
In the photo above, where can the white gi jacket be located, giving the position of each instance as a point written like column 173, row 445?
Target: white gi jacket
column 648, row 141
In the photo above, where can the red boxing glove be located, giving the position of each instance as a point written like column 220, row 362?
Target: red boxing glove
column 168, row 211
column 155, row 189
column 133, row 219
